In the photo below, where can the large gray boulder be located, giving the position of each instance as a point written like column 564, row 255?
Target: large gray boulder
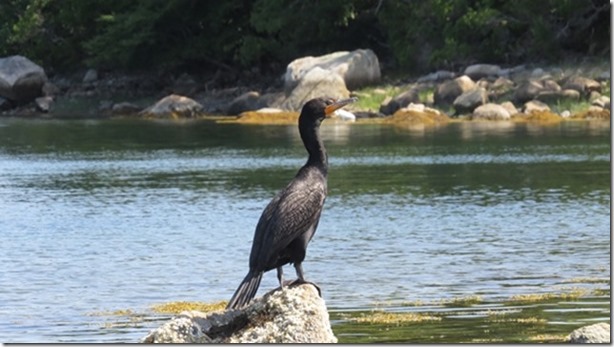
column 470, row 99
column 596, row 333
column 125, row 109
column 390, row 106
column 601, row 101
column 245, row 102
column 90, row 76
column 583, row 85
column 440, row 75
column 356, row 68
column 5, row 104
column 491, row 112
column 44, row 103
column 173, row 107
column 316, row 83
column 21, row 80
column 478, row 71
column 528, row 90
column 502, row 85
column 535, row 106
column 447, row 92
column 551, row 97
column 296, row 314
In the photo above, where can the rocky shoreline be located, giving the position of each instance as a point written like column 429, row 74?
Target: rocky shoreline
column 478, row 92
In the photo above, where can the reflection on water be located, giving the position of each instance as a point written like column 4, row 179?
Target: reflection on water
column 100, row 216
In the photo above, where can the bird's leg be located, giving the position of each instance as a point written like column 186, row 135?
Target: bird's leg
column 301, row 277
column 299, row 272
column 280, row 276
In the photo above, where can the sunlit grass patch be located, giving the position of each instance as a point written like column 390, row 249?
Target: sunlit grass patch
column 519, row 320
column 601, row 292
column 380, row 317
column 414, row 303
column 123, row 312
column 587, row 280
column 573, row 106
column 572, row 294
column 606, row 88
column 123, row 318
column 548, row 338
column 427, row 95
column 371, row 98
column 502, row 312
column 176, row 307
column 464, row 301
column 487, row 340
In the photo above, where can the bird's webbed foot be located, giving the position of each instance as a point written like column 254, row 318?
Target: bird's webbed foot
column 301, row 278
column 299, row 281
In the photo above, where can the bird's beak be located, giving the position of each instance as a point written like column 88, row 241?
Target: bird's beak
column 330, row 109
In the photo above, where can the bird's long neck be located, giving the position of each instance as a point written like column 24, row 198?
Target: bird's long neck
column 310, row 134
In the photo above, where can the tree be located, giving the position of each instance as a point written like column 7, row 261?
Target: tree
column 239, row 34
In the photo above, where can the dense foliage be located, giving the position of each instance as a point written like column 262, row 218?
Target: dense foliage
column 238, row 34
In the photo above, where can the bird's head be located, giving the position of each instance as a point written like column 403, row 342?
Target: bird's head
column 315, row 110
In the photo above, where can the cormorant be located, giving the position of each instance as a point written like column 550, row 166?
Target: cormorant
column 289, row 221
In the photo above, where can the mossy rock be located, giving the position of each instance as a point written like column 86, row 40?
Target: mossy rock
column 254, row 117
column 541, row 117
column 177, row 307
column 602, row 114
column 412, row 117
column 392, row 318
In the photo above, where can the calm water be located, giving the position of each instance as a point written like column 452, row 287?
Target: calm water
column 105, row 215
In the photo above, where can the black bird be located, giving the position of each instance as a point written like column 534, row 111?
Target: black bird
column 289, row 221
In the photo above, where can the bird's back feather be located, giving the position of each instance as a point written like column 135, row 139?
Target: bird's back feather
column 294, row 211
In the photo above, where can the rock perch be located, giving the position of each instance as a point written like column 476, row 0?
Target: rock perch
column 296, row 314
column 596, row 333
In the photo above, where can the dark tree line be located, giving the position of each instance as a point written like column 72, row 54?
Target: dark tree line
column 413, row 35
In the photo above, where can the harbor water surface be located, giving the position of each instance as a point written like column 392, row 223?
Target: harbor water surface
column 102, row 216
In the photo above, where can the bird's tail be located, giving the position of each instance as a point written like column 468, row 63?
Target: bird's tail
column 246, row 291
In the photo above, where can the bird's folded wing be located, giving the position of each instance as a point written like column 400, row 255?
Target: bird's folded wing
column 293, row 213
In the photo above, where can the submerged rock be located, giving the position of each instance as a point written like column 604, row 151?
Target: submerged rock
column 296, row 314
